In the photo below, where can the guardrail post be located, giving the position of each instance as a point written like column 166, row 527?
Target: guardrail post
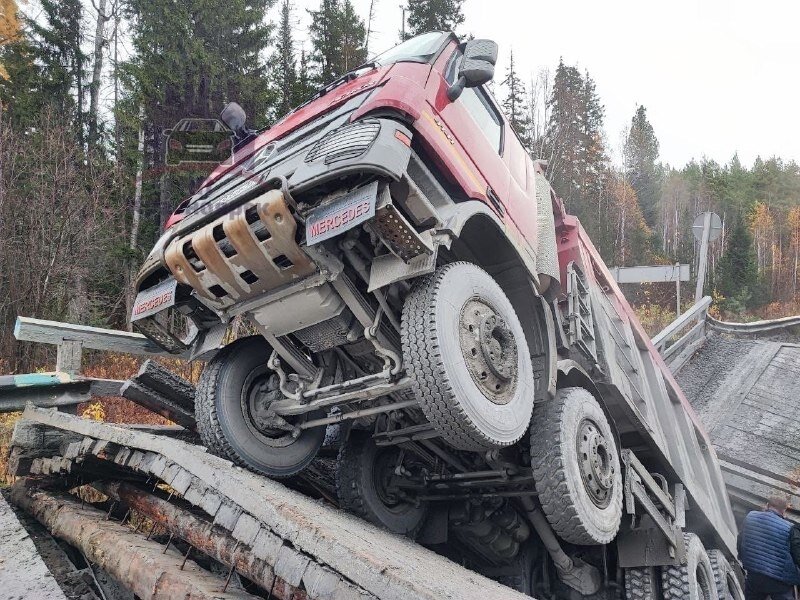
column 68, row 357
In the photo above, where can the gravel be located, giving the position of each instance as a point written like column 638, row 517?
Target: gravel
column 704, row 373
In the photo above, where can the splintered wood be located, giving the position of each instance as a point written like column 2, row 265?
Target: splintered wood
column 265, row 531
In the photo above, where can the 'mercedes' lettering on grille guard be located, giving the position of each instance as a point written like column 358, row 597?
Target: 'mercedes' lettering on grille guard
column 342, row 214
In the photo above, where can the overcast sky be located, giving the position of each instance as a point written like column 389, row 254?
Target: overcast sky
column 716, row 76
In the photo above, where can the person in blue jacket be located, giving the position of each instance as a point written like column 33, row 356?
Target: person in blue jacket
column 769, row 548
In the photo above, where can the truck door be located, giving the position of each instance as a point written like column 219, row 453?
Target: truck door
column 477, row 124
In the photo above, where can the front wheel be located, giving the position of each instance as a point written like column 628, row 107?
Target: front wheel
column 231, row 408
column 466, row 354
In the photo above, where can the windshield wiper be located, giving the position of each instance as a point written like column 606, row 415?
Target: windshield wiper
column 349, row 76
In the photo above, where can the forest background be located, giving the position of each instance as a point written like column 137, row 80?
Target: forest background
column 88, row 87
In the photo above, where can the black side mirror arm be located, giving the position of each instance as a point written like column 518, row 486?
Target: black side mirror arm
column 455, row 90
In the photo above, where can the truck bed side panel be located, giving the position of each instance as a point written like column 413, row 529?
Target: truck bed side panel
column 651, row 413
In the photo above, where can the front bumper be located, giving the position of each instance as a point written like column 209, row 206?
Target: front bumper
column 249, row 251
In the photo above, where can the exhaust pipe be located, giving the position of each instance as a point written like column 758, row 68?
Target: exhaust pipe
column 574, row 572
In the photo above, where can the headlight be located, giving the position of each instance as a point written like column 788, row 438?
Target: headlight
column 349, row 141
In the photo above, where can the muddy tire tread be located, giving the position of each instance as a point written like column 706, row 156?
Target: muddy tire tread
column 430, row 382
column 721, row 567
column 550, row 471
column 205, row 409
column 675, row 583
column 640, row 583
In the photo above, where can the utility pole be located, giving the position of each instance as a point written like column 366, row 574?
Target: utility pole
column 403, row 24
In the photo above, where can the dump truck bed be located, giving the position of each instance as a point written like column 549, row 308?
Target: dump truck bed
column 652, row 415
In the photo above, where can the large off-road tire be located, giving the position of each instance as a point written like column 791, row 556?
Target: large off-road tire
column 725, row 578
column 576, row 467
column 641, row 583
column 234, row 384
column 467, row 356
column 693, row 580
column 362, row 473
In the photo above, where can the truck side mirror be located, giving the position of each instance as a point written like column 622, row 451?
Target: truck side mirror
column 234, row 117
column 477, row 66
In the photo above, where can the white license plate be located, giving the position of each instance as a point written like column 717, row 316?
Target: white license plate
column 343, row 214
column 154, row 299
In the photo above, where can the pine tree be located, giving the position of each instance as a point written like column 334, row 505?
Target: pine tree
column 516, row 104
column 56, row 44
column 353, row 38
column 640, row 155
column 574, row 139
column 324, row 40
column 433, row 15
column 285, row 63
column 737, row 274
column 338, row 38
column 563, row 140
column 304, row 86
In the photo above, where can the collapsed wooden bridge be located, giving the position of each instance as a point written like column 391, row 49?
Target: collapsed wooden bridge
column 157, row 516
column 280, row 540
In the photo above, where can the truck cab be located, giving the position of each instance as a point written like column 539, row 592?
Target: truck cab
column 419, row 295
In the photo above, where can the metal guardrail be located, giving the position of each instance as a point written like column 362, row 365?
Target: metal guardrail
column 682, row 349
column 697, row 312
column 65, row 386
column 753, row 327
column 97, row 338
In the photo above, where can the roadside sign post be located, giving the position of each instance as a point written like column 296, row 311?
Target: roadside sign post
column 707, row 227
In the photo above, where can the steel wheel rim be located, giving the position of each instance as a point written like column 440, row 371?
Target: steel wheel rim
column 255, row 399
column 489, row 349
column 596, row 462
column 381, row 477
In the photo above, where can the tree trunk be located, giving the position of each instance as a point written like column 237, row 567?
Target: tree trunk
column 137, row 214
column 78, row 305
column 164, row 199
column 97, row 72
column 117, row 128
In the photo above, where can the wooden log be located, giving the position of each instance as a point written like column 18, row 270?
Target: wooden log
column 157, row 403
column 138, row 564
column 200, row 533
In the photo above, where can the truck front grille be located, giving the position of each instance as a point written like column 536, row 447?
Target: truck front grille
column 350, row 141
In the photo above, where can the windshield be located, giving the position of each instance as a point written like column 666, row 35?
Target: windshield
column 417, row 49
